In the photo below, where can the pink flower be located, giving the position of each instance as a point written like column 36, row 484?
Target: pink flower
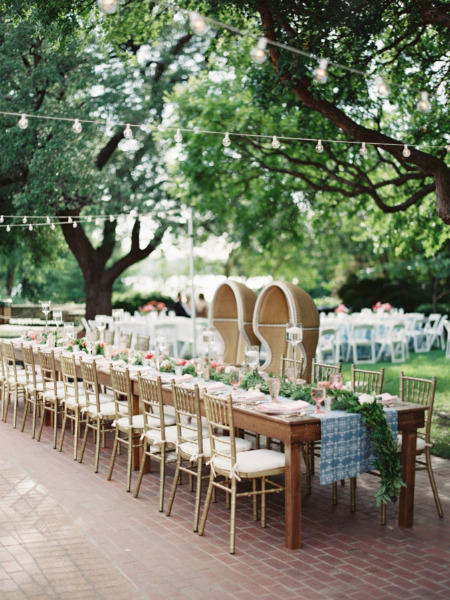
column 181, row 362
column 160, row 306
column 377, row 305
column 220, row 368
column 149, row 355
column 214, row 364
column 325, row 384
column 336, row 386
column 386, row 307
column 341, row 309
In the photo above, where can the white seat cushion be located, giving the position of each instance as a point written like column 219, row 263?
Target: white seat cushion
column 137, row 422
column 252, row 462
column 154, row 435
column 420, row 444
column 169, row 420
column 191, row 449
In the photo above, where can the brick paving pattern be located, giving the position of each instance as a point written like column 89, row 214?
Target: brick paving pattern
column 67, row 533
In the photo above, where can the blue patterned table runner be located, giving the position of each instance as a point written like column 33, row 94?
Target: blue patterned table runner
column 346, row 446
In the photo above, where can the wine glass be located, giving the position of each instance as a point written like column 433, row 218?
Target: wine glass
column 46, row 307
column 57, row 317
column 336, row 381
column 69, row 332
column 318, row 395
column 274, row 384
column 235, row 379
column 199, row 367
column 252, row 356
column 294, row 336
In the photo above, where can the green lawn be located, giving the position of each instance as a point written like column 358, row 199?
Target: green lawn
column 423, row 365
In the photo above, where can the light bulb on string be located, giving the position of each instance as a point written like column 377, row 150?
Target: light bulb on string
column 2, row 218
column 258, row 54
column 24, row 220
column 127, row 133
column 111, row 218
column 424, row 105
column 275, row 142
column 381, row 87
column 69, row 220
column 77, row 126
column 23, row 122
column 30, row 227
column 8, row 228
column 321, row 73
column 319, row 147
column 48, row 220
column 75, row 225
column 52, row 226
column 108, row 7
column 199, row 24
column 178, row 137
column 226, row 140
column 363, row 149
column 406, row 151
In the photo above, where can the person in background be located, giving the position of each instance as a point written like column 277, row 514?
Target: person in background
column 179, row 307
column 188, row 306
column 201, row 308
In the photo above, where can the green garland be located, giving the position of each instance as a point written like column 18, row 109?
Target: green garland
column 387, row 459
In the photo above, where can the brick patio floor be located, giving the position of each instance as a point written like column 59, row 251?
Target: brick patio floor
column 67, row 533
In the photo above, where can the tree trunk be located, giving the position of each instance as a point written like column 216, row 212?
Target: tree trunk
column 98, row 294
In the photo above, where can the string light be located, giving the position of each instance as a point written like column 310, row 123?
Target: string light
column 48, row 220
column 178, row 137
column 77, row 127
column 321, row 73
column 275, row 142
column 127, row 134
column 424, row 105
column 226, row 140
column 381, row 87
column 24, row 220
column 2, row 218
column 198, row 23
column 52, row 226
column 406, row 151
column 111, row 218
column 74, row 225
column 319, row 147
column 69, row 220
column 23, row 122
column 108, row 7
column 30, row 227
column 8, row 228
column 258, row 54
column 363, row 149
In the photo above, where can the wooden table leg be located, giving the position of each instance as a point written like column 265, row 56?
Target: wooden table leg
column 408, row 460
column 293, row 496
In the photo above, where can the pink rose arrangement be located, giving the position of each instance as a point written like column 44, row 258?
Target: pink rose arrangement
column 341, row 309
column 386, row 306
column 151, row 306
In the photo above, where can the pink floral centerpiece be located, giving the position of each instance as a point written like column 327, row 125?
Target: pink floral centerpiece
column 152, row 306
column 384, row 306
column 341, row 309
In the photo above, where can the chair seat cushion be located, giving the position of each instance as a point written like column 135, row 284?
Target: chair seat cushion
column 252, row 462
column 420, row 444
column 191, row 449
column 154, row 435
column 107, row 410
column 137, row 422
column 169, row 420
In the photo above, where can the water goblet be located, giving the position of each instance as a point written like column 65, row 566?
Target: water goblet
column 208, row 337
column 199, row 367
column 100, row 323
column 318, row 394
column 235, row 379
column 274, row 384
column 336, row 381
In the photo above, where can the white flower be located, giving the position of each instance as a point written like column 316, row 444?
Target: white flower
column 365, row 398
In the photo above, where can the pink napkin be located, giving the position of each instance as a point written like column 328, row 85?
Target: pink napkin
column 243, row 397
column 387, row 398
column 285, row 406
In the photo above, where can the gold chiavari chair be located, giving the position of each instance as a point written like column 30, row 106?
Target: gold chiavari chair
column 74, row 401
column 129, row 427
column 53, row 392
column 160, row 433
column 34, row 388
column 15, row 382
column 228, row 467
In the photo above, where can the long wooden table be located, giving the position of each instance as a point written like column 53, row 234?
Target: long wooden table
column 293, row 432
